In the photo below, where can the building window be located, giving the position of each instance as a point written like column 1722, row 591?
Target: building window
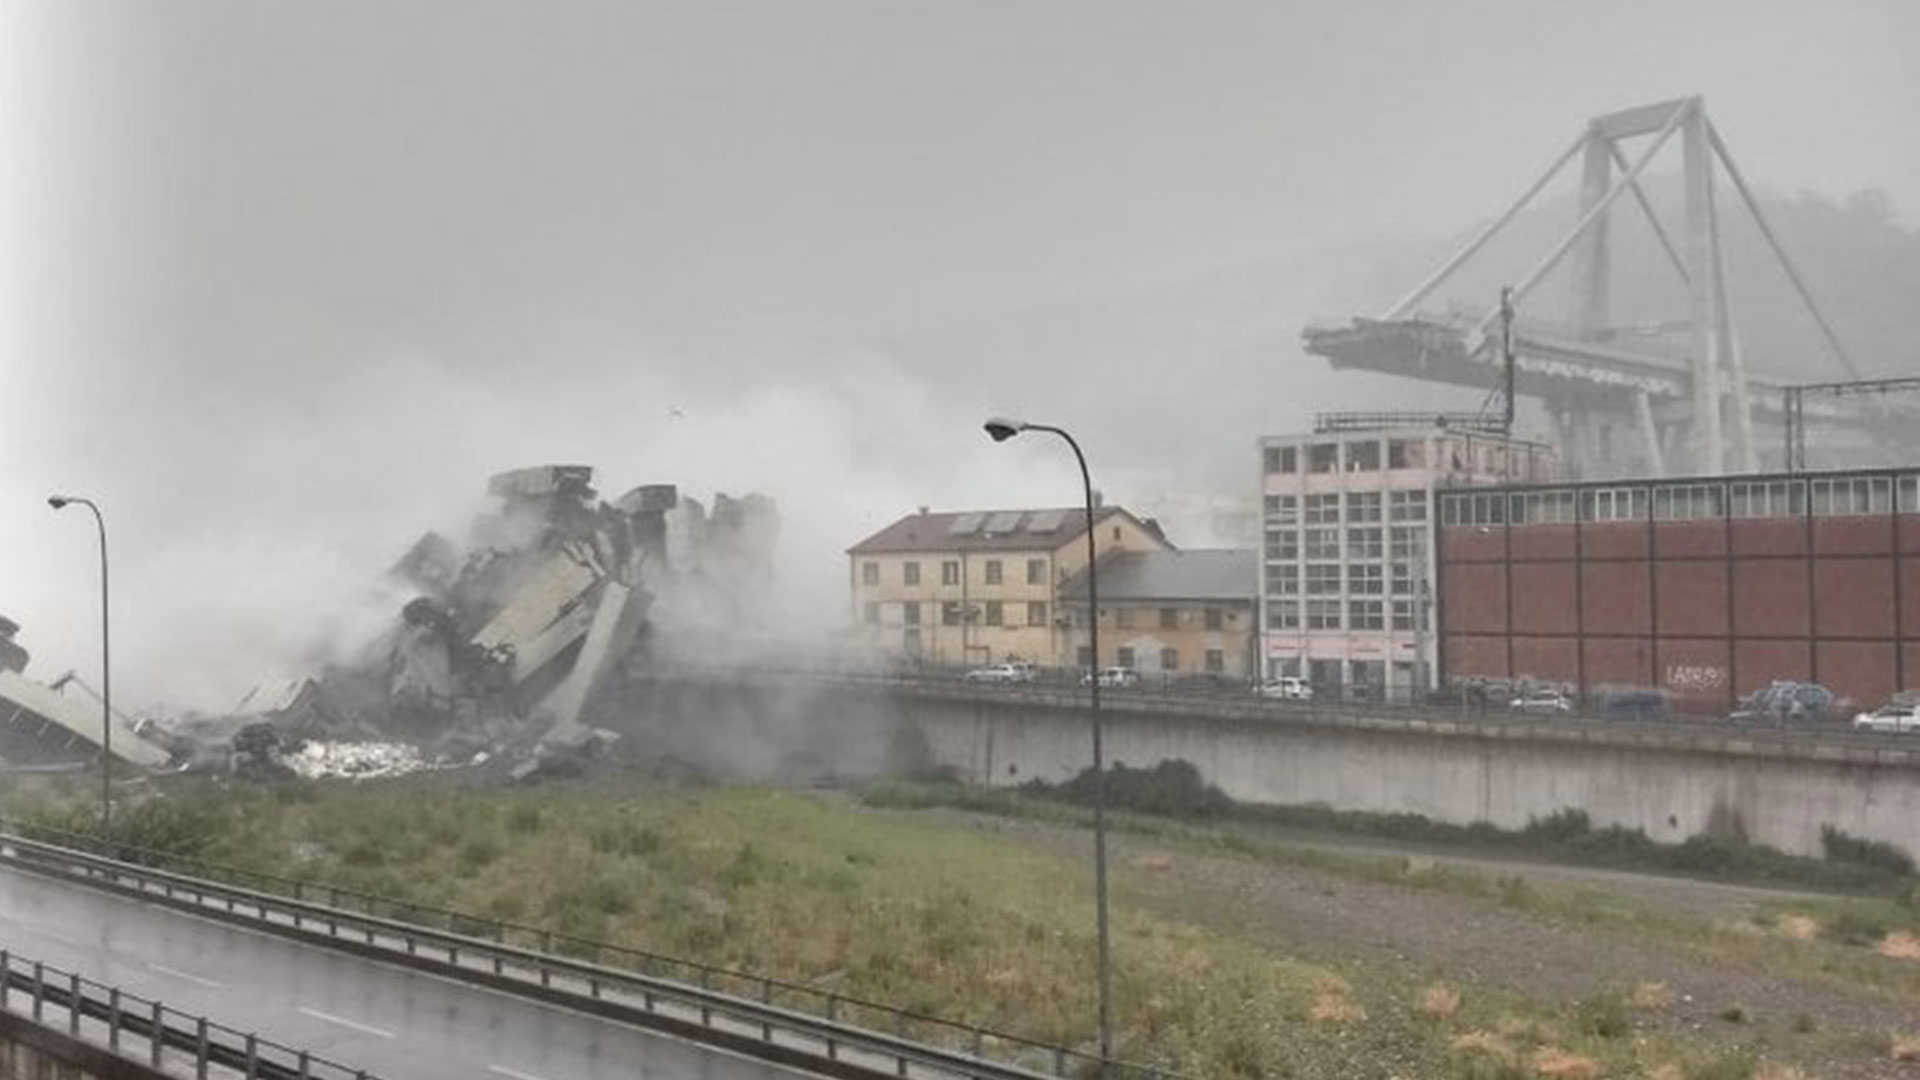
column 995, row 613
column 1364, row 615
column 1283, row 579
column 1280, row 459
column 1544, row 508
column 1682, row 502
column 1169, row 618
column 1323, row 578
column 950, row 613
column 1215, row 619
column 1848, row 496
column 1283, row 510
column 950, row 572
column 1036, row 613
column 1283, row 544
column 910, row 573
column 1323, row 543
column 1116, row 534
column 910, row 641
column 869, row 573
column 1766, row 499
column 1169, row 659
column 873, row 614
column 1323, row 509
column 1283, row 615
column 1323, row 614
column 1604, row 504
column 1363, row 456
column 1406, row 454
column 1216, row 661
column 1407, row 542
column 1910, row 494
column 1403, row 615
column 1126, row 656
column 1363, row 506
column 1363, row 543
column 1123, row 618
column 1365, row 579
column 993, row 571
column 910, row 613
column 1323, row 457
column 1407, row 505
column 1402, row 578
column 1084, row 656
column 1036, row 571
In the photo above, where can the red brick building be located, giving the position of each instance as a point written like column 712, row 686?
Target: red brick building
column 1706, row 588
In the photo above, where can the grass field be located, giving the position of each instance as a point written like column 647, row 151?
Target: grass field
column 888, row 906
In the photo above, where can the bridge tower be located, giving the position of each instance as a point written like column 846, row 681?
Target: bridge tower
column 1646, row 400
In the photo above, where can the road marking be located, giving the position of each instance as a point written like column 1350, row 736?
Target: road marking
column 346, row 1023
column 513, row 1074
column 211, row 984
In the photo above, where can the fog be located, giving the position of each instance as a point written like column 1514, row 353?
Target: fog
column 281, row 284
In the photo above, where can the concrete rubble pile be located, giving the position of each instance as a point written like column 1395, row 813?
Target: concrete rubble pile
column 506, row 641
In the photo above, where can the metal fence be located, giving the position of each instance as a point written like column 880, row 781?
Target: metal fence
column 1490, row 703
column 737, row 1005
column 144, row 1030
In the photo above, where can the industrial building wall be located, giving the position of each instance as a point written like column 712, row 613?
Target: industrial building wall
column 1707, row 609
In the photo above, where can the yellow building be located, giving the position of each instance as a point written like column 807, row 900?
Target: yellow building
column 982, row 586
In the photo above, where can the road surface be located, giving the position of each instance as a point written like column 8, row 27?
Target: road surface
column 384, row 1018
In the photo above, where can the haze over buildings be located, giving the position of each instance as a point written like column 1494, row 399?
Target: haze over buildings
column 281, row 283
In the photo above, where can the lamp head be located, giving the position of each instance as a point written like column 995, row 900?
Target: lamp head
column 58, row 501
column 1003, row 429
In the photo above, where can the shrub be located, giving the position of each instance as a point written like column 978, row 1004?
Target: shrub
column 1604, row 1016
column 1839, row 847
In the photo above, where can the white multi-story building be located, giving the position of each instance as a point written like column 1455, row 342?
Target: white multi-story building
column 1347, row 543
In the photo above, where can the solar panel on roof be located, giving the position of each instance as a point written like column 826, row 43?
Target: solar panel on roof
column 964, row 524
column 1046, row 521
column 1005, row 521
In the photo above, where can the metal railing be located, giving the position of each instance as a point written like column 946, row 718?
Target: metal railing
column 742, row 1009
column 147, row 1031
column 1228, row 698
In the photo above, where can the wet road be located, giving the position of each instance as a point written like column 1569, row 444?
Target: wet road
column 384, row 1018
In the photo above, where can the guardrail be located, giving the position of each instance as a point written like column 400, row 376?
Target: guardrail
column 754, row 1014
column 143, row 1030
column 1243, row 702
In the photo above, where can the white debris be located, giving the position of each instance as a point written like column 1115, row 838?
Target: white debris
column 316, row 760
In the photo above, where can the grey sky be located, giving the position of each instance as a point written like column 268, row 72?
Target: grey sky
column 283, row 281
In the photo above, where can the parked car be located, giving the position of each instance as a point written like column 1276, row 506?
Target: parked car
column 1287, row 688
column 1207, row 682
column 1890, row 718
column 1542, row 702
column 1784, row 701
column 1635, row 705
column 1119, row 677
column 998, row 674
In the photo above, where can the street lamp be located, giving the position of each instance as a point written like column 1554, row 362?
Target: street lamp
column 106, row 669
column 1003, row 429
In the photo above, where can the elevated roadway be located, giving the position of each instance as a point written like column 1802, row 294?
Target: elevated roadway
column 389, row 1020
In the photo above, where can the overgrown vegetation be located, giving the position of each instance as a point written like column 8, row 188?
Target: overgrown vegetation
column 941, row 919
column 1175, row 789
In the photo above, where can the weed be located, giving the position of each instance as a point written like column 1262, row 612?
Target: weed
column 525, row 819
column 1804, row 1023
column 1904, row 1047
column 1651, row 995
column 1730, row 1065
column 1557, row 1064
column 1900, row 945
column 1439, row 1001
column 1734, row 1014
column 1603, row 1016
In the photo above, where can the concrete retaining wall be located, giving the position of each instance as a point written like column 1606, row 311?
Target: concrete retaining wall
column 1672, row 786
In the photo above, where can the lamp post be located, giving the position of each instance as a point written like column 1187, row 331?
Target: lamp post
column 1003, row 429
column 106, row 669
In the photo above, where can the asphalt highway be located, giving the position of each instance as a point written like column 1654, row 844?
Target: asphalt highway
column 392, row 1021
